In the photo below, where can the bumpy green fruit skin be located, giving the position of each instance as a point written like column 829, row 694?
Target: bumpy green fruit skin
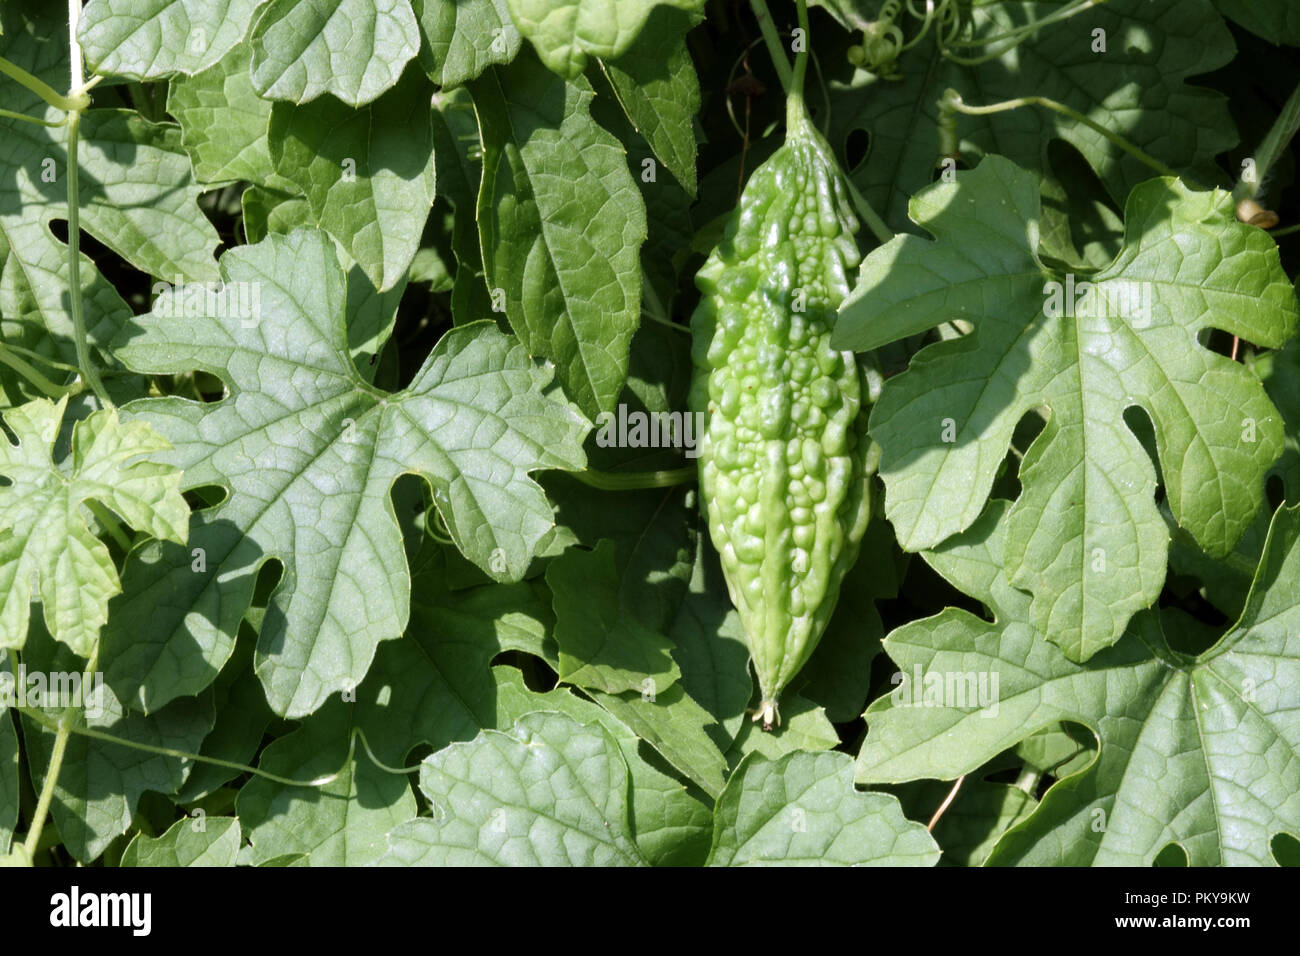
column 784, row 477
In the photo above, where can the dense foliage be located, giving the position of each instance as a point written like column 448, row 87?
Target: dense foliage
column 666, row 432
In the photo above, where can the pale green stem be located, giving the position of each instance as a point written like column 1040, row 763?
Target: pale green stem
column 636, row 480
column 773, row 40
column 110, row 523
column 1017, row 35
column 357, row 734
column 50, row 389
column 1279, row 136
column 952, row 101
column 88, row 371
column 63, row 728
column 44, row 90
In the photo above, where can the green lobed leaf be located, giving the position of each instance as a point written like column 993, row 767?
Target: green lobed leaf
column 367, row 174
column 47, row 552
column 1279, row 371
column 203, row 841
column 465, row 38
column 566, row 32
column 603, row 645
column 100, row 783
column 352, row 49
column 152, row 39
column 838, row 675
column 552, row 792
column 435, row 686
column 223, row 121
column 802, row 810
column 137, row 197
column 455, row 143
column 1196, row 751
column 1087, row 538
column 803, row 727
column 675, row 725
column 672, row 822
column 309, row 453
column 242, row 720
column 340, row 823
column 655, row 82
column 560, row 223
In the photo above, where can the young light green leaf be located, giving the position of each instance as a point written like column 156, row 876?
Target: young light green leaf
column 352, row 49
column 802, row 810
column 341, row 823
column 465, row 38
column 561, row 223
column 1087, row 538
column 309, row 452
column 153, row 39
column 202, row 841
column 47, row 552
column 552, row 792
column 367, row 174
column 566, row 32
column 1201, row 752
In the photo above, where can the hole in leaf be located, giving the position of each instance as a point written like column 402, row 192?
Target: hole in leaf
column 1286, row 849
column 1171, row 855
column 134, row 286
column 1143, row 429
column 267, row 578
column 205, row 496
column 856, row 147
column 1275, row 491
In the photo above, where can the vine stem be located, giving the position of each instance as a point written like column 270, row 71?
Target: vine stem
column 801, row 58
column 81, row 100
column 44, row 90
column 952, row 102
column 636, row 480
column 62, row 732
column 49, row 388
column 773, row 41
column 947, row 802
column 1017, row 35
column 356, row 734
column 1279, row 135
